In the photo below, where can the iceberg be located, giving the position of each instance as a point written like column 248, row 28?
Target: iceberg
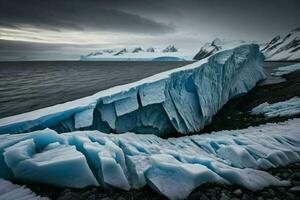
column 289, row 107
column 181, row 100
column 173, row 167
column 286, row 69
column 10, row 191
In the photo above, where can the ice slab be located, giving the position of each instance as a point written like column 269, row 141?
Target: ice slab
column 10, row 191
column 181, row 100
column 286, row 70
column 289, row 107
column 173, row 167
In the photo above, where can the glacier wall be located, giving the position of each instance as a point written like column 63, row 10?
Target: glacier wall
column 173, row 167
column 182, row 100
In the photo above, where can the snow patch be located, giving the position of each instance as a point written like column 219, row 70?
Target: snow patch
column 289, row 107
column 286, row 70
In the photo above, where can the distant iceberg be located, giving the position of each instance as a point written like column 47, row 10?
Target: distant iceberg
column 181, row 100
column 289, row 107
column 173, row 167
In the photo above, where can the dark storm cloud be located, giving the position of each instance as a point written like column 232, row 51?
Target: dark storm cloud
column 148, row 22
column 17, row 50
column 77, row 15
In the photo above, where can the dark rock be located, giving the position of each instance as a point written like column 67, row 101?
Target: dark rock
column 238, row 192
column 271, row 192
column 224, row 197
column 285, row 175
column 68, row 194
column 245, row 197
column 296, row 183
column 92, row 197
column 106, row 198
column 295, row 190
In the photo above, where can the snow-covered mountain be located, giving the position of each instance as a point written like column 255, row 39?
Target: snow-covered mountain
column 284, row 47
column 280, row 48
column 216, row 45
column 138, row 53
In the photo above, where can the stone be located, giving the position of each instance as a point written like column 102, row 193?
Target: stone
column 224, row 197
column 295, row 190
column 238, row 192
column 296, row 176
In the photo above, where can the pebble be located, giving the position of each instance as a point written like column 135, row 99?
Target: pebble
column 295, row 190
column 296, row 176
column 224, row 197
column 238, row 192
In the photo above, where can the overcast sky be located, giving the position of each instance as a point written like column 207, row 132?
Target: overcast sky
column 65, row 29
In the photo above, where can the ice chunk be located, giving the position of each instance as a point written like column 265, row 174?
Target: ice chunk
column 286, row 70
column 57, row 164
column 9, row 191
column 289, row 107
column 173, row 167
column 181, row 100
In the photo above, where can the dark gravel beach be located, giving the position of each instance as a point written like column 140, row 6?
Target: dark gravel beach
column 204, row 192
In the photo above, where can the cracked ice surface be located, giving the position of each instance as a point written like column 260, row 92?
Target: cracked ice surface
column 182, row 100
column 172, row 167
column 289, row 107
column 9, row 191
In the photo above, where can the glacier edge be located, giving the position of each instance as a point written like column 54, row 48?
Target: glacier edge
column 182, row 100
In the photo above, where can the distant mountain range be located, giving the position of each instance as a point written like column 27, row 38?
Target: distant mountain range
column 168, row 53
column 280, row 48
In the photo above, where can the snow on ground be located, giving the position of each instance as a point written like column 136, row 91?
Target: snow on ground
column 181, row 100
column 172, row 167
column 289, row 107
column 10, row 191
column 286, row 70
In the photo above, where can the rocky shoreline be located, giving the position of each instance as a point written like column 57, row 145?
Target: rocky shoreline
column 204, row 192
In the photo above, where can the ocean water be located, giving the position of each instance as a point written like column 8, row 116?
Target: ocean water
column 27, row 86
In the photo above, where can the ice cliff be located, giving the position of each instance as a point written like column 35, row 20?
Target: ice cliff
column 172, row 167
column 182, row 100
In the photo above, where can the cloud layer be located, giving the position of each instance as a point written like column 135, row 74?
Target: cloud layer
column 75, row 15
column 91, row 24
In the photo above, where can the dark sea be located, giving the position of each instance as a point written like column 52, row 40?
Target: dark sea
column 27, row 86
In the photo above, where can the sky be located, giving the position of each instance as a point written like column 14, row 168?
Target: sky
column 66, row 29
